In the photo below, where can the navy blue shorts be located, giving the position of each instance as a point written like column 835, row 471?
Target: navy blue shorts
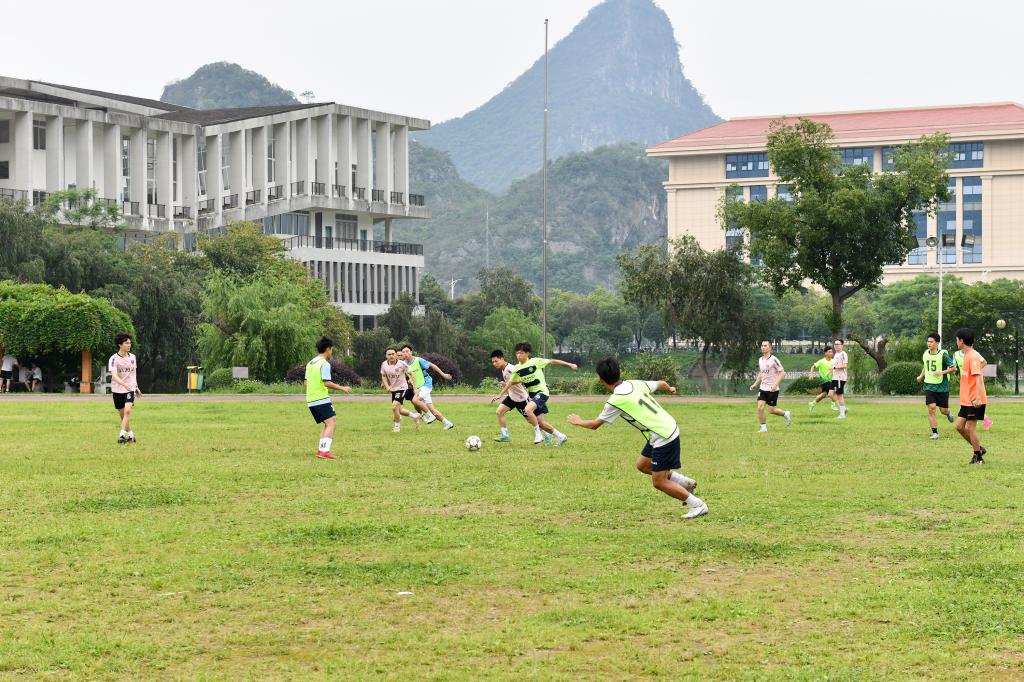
column 664, row 458
column 322, row 413
column 541, row 401
column 515, row 405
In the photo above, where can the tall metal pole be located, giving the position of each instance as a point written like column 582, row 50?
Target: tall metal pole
column 544, row 183
column 939, row 252
column 1016, row 358
column 487, row 239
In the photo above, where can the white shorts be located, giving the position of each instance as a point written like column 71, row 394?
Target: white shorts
column 424, row 394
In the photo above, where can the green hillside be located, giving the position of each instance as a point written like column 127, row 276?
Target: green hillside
column 222, row 85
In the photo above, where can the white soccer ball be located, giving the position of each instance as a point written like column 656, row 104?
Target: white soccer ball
column 474, row 443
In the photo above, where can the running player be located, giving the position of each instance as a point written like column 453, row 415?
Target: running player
column 634, row 402
column 530, row 373
column 318, row 398
column 770, row 373
column 394, row 379
column 516, row 398
column 840, row 363
column 973, row 398
column 123, row 384
column 821, row 371
column 958, row 357
column 938, row 365
column 420, row 370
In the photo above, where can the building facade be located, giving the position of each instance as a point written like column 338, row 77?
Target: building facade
column 980, row 230
column 326, row 178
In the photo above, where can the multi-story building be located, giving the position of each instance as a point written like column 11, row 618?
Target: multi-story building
column 978, row 230
column 320, row 176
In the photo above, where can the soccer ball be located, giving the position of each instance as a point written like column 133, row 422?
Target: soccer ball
column 474, row 443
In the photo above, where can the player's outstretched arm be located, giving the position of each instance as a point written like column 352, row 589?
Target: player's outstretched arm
column 592, row 424
column 437, row 370
column 333, row 386
column 664, row 387
column 563, row 363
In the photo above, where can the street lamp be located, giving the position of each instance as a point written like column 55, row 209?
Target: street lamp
column 1001, row 325
column 948, row 240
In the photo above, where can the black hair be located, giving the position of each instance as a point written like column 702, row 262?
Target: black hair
column 966, row 335
column 609, row 371
column 323, row 344
column 390, row 348
column 524, row 346
column 497, row 354
column 406, row 346
column 121, row 337
column 840, row 342
column 935, row 335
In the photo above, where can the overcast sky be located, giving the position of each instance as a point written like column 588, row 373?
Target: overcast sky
column 438, row 59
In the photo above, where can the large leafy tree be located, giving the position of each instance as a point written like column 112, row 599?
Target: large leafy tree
column 844, row 223
column 504, row 328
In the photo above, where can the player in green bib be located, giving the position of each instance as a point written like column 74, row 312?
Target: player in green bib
column 821, row 372
column 635, row 403
column 937, row 366
column 530, row 373
column 318, row 398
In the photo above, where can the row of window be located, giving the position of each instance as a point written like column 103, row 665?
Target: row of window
column 963, row 155
column 945, row 219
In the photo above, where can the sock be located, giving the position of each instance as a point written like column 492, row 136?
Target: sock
column 446, row 422
column 676, row 477
column 842, row 410
column 558, row 434
column 536, row 430
column 694, row 501
column 123, row 433
column 398, row 423
column 935, row 430
column 977, row 453
column 504, row 431
column 764, row 427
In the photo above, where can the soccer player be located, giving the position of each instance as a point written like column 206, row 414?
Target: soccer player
column 420, row 370
column 840, row 363
column 973, row 397
column 318, row 398
column 822, row 372
column 634, row 402
column 124, row 386
column 958, row 357
column 530, row 373
column 938, row 365
column 770, row 373
column 516, row 398
column 394, row 379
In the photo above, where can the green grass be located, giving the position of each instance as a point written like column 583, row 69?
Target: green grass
column 219, row 548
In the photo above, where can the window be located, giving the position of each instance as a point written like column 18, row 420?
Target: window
column 946, row 220
column 784, row 192
column 746, row 165
column 126, row 167
column 758, row 193
column 38, row 134
column 287, row 224
column 888, row 158
column 271, row 156
column 150, row 170
column 5, row 170
column 5, row 131
column 347, row 226
column 919, row 256
column 201, row 164
column 857, row 156
column 971, row 187
column 225, row 162
column 967, row 155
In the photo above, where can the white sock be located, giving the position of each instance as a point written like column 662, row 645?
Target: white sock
column 536, row 430
column 398, row 423
column 677, row 477
column 123, row 433
column 764, row 427
column 694, row 501
column 446, row 422
column 131, row 434
column 504, row 431
column 842, row 410
column 558, row 434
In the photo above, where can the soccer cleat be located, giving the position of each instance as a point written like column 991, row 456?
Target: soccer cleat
column 396, row 428
column 501, row 439
column 810, row 406
column 950, row 417
column 976, row 459
column 789, row 418
column 841, row 416
column 325, row 455
column 538, row 439
column 448, row 426
column 935, row 436
column 428, row 418
column 121, row 440
column 560, row 440
column 698, row 510
column 547, row 439
column 835, row 408
column 131, row 439
column 764, row 428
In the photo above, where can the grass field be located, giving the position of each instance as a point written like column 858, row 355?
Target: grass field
column 219, row 548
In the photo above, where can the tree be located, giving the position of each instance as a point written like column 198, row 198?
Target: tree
column 500, row 287
column 843, row 224
column 504, row 328
column 977, row 307
column 79, row 207
column 243, row 251
column 903, row 307
column 20, row 235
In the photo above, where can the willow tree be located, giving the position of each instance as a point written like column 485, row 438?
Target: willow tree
column 843, row 223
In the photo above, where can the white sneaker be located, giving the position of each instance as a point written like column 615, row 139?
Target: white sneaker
column 789, row 418
column 429, row 418
column 449, row 425
column 560, row 440
column 397, row 428
column 841, row 416
column 699, row 510
column 935, row 436
column 764, row 428
column 538, row 439
column 835, row 408
column 810, row 406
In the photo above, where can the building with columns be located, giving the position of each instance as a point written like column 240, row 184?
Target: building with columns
column 328, row 179
column 979, row 230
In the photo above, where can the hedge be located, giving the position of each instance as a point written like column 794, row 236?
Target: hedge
column 804, row 385
column 900, row 378
column 341, row 374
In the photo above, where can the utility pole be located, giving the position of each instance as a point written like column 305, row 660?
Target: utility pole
column 487, row 240
column 544, row 182
column 453, row 283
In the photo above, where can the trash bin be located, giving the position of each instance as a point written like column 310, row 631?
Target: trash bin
column 194, row 378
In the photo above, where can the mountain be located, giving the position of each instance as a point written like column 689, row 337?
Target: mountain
column 615, row 78
column 222, row 85
column 601, row 202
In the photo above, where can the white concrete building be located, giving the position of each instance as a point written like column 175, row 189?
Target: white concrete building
column 320, row 176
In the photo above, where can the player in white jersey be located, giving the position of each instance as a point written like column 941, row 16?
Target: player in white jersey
column 515, row 399
column 395, row 378
column 769, row 373
column 840, row 363
column 124, row 385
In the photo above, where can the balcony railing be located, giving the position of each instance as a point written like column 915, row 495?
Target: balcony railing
column 157, row 210
column 298, row 188
column 205, row 206
column 398, row 198
column 230, row 201
column 377, row 195
column 318, row 189
column 338, row 191
column 359, row 193
column 108, row 203
column 275, row 193
column 416, row 200
column 253, row 197
column 14, row 194
column 182, row 213
column 397, row 248
column 130, row 208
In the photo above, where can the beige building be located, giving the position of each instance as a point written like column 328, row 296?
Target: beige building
column 980, row 231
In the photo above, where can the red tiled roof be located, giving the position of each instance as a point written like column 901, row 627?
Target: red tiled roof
column 898, row 123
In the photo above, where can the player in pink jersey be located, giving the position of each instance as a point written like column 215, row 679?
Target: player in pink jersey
column 395, row 379
column 840, row 364
column 123, row 384
column 770, row 373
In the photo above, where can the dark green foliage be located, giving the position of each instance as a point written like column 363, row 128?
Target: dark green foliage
column 21, row 231
column 223, row 85
column 368, row 348
column 219, row 378
column 907, row 349
column 650, row 367
column 900, row 378
column 341, row 374
column 446, row 365
column 803, row 385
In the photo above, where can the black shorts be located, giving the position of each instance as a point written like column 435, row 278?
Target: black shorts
column 769, row 397
column 541, row 400
column 398, row 396
column 664, row 458
column 322, row 413
column 826, row 386
column 839, row 386
column 972, row 414
column 121, row 398
column 409, row 393
column 515, row 405
column 937, row 398
column 6, row 374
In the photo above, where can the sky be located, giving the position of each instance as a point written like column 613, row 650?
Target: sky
column 437, row 59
